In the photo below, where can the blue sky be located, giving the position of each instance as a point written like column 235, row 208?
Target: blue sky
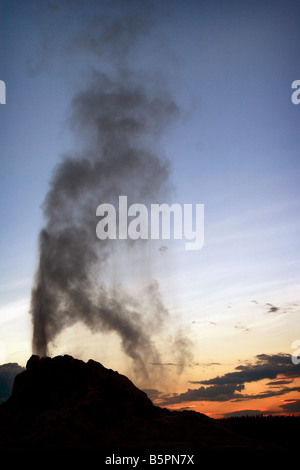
column 234, row 148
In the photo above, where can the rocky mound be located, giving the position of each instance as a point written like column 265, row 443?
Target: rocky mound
column 65, row 403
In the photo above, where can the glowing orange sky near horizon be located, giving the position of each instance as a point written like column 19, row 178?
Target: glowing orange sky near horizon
column 266, row 406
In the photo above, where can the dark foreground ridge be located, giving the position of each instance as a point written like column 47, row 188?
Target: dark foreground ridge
column 63, row 403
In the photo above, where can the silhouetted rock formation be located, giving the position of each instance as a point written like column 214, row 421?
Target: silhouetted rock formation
column 65, row 403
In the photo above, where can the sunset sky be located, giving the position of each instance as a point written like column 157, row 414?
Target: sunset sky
column 227, row 315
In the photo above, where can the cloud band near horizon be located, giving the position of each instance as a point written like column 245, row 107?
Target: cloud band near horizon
column 229, row 387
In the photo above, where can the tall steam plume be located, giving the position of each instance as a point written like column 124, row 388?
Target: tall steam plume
column 117, row 120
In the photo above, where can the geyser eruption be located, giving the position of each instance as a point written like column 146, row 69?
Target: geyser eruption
column 117, row 118
column 113, row 162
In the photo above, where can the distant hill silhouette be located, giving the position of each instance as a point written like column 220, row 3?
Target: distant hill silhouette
column 63, row 403
column 280, row 430
column 7, row 375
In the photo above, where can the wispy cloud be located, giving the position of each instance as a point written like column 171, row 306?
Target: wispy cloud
column 162, row 364
column 272, row 308
column 267, row 394
column 220, row 393
column 243, row 413
column 291, row 406
column 267, row 366
column 240, row 326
